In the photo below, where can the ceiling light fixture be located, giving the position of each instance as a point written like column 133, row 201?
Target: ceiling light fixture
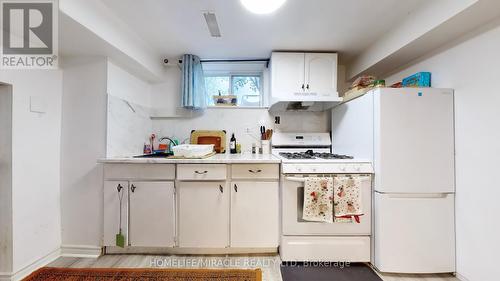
column 262, row 6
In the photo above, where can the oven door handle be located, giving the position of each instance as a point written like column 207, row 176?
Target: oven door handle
column 296, row 179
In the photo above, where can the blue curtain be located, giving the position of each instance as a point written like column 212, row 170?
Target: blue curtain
column 193, row 83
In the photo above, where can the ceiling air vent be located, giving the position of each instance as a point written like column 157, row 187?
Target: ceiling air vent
column 212, row 24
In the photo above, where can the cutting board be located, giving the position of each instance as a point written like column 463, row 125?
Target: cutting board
column 217, row 138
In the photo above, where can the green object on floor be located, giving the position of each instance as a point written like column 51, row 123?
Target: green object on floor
column 120, row 240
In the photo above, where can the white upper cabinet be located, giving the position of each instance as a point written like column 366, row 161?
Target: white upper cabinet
column 295, row 75
column 287, row 72
column 321, row 74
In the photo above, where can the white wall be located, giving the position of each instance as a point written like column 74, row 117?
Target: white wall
column 83, row 142
column 113, row 37
column 5, row 179
column 166, row 96
column 35, row 165
column 237, row 120
column 88, row 83
column 124, row 85
column 471, row 68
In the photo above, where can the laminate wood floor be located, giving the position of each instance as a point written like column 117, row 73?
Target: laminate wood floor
column 270, row 265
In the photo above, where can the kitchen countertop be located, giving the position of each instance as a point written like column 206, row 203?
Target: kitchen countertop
column 216, row 159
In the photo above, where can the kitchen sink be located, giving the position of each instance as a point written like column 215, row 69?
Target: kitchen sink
column 155, row 155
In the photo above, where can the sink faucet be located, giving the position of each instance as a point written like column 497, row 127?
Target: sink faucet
column 170, row 144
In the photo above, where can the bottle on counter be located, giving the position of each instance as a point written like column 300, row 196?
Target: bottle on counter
column 232, row 145
column 147, row 148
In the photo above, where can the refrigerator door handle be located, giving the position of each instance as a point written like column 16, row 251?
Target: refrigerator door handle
column 415, row 195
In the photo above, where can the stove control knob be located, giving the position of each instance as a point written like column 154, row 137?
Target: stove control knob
column 358, row 168
column 314, row 169
column 343, row 168
column 299, row 169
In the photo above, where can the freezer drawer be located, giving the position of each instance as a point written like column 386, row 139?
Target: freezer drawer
column 414, row 233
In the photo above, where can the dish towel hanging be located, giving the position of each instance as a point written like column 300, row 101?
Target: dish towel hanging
column 347, row 198
column 192, row 83
column 318, row 200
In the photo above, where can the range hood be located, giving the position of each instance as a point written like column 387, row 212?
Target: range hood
column 306, row 104
column 303, row 81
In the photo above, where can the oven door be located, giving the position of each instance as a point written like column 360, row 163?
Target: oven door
column 292, row 206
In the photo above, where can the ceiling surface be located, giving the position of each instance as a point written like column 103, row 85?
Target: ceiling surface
column 175, row 27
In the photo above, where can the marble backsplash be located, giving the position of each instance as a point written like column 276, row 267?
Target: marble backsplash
column 244, row 123
column 129, row 126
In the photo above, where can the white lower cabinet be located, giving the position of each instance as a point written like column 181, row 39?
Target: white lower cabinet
column 203, row 214
column 231, row 207
column 254, row 214
column 113, row 191
column 152, row 214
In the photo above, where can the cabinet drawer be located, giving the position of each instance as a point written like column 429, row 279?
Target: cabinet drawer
column 255, row 171
column 324, row 248
column 201, row 172
column 140, row 171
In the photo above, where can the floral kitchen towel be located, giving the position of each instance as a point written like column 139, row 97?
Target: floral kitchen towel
column 347, row 198
column 318, row 200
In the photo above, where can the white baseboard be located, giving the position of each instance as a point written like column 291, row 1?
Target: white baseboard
column 5, row 276
column 64, row 251
column 188, row 251
column 22, row 273
column 461, row 277
column 81, row 251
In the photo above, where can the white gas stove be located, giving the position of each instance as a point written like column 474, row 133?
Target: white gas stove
column 310, row 153
column 306, row 155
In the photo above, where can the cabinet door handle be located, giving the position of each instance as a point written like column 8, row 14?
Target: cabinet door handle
column 307, row 87
column 201, row 173
column 221, row 188
column 119, row 188
column 303, row 86
column 255, row 171
column 235, row 188
column 132, row 188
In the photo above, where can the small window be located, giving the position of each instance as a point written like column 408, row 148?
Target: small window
column 239, row 89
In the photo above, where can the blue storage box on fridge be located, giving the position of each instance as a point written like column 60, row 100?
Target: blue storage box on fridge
column 420, row 79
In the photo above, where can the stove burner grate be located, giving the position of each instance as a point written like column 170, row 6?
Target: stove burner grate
column 313, row 155
column 296, row 155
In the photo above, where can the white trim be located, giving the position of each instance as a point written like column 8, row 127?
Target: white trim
column 81, row 251
column 189, row 251
column 231, row 75
column 461, row 277
column 236, row 107
column 23, row 272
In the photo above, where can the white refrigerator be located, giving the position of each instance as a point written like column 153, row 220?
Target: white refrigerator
column 409, row 136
